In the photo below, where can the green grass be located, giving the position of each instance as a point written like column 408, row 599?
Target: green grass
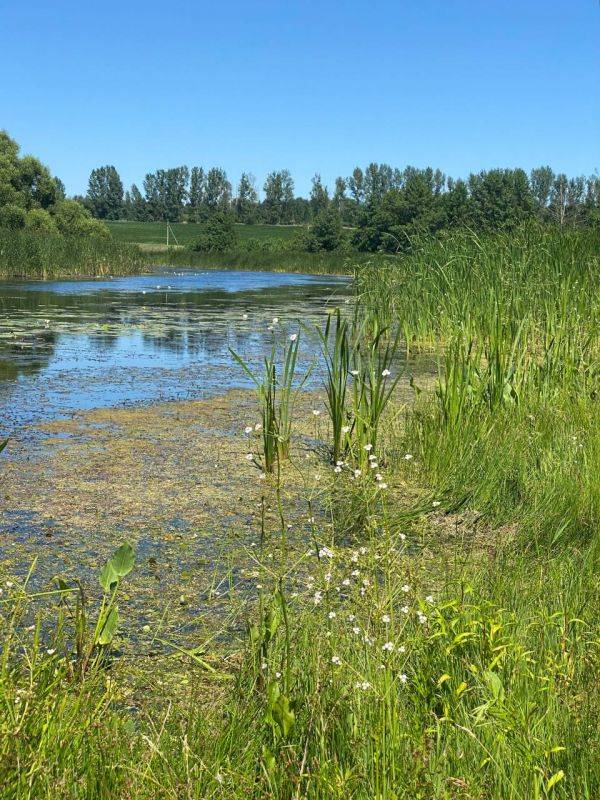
column 186, row 233
column 435, row 636
column 32, row 255
column 285, row 261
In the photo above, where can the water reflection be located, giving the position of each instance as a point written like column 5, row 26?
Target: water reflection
column 67, row 345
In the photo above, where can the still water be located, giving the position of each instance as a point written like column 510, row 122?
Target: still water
column 72, row 345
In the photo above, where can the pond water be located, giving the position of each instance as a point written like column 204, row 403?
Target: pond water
column 166, row 335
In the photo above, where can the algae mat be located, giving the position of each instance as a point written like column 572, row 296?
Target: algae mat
column 170, row 478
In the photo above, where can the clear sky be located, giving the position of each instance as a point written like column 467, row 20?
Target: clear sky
column 303, row 85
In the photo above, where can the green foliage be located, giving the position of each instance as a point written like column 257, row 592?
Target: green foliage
column 12, row 217
column 38, row 220
column 217, row 234
column 41, row 254
column 25, row 181
column 105, row 193
column 325, row 232
column 276, row 397
column 502, row 199
column 73, row 219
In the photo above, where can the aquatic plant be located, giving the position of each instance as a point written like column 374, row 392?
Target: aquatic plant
column 276, row 397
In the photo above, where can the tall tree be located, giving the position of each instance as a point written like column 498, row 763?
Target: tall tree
column 379, row 179
column 340, row 200
column 247, row 199
column 105, row 193
column 541, row 179
column 319, row 196
column 166, row 193
column 356, row 185
column 218, row 190
column 279, row 197
column 501, row 198
column 197, row 194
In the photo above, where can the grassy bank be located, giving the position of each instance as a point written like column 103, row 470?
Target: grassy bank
column 35, row 255
column 187, row 233
column 284, row 261
column 426, row 610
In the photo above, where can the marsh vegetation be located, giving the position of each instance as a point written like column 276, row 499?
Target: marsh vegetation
column 413, row 608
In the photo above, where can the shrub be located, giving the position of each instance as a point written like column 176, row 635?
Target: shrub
column 325, row 233
column 72, row 219
column 217, row 235
column 12, row 217
column 38, row 220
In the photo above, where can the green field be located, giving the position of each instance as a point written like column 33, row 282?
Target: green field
column 186, row 233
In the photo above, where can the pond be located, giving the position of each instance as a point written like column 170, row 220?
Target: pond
column 82, row 344
column 128, row 421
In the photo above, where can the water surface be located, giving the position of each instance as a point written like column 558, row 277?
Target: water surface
column 80, row 344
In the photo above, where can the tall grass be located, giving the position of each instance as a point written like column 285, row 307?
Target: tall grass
column 438, row 638
column 276, row 398
column 32, row 255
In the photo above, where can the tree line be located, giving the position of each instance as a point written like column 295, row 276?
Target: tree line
column 382, row 201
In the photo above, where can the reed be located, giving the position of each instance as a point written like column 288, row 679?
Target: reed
column 35, row 256
column 276, row 398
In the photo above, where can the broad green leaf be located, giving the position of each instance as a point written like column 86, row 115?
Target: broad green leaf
column 495, row 685
column 122, row 560
column 108, row 577
column 283, row 714
column 118, row 565
column 108, row 626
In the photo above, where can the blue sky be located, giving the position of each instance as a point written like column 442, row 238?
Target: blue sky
column 307, row 86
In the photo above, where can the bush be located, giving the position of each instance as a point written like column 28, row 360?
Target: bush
column 72, row 219
column 218, row 234
column 38, row 220
column 324, row 234
column 12, row 217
